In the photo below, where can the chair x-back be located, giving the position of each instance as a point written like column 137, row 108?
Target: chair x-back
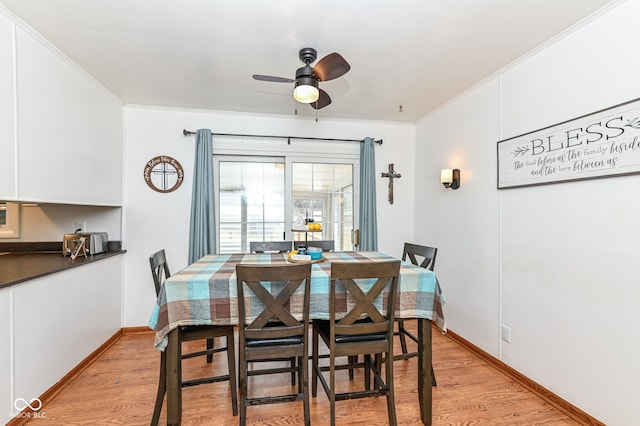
column 269, row 246
column 269, row 329
column 365, row 329
column 424, row 257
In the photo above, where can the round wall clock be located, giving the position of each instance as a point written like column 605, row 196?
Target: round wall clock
column 163, row 173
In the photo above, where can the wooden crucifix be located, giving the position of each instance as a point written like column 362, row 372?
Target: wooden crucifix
column 391, row 174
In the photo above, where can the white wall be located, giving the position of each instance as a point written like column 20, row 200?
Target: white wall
column 155, row 220
column 555, row 262
column 463, row 223
column 49, row 222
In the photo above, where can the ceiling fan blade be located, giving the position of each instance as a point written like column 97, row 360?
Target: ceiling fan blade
column 330, row 67
column 272, row 78
column 322, row 101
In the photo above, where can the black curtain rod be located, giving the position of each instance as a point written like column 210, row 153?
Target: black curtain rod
column 288, row 138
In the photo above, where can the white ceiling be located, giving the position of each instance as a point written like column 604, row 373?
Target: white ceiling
column 202, row 53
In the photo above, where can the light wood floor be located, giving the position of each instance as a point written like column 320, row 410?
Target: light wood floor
column 119, row 389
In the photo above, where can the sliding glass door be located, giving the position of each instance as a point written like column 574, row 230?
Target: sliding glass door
column 251, row 203
column 324, row 192
column 260, row 198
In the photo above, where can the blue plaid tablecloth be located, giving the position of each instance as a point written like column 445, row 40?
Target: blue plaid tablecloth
column 205, row 292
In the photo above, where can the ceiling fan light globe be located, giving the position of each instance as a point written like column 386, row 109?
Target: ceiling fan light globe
column 306, row 90
column 306, row 94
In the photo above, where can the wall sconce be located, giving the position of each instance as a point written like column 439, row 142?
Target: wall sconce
column 450, row 178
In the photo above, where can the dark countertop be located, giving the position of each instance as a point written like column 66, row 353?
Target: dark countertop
column 17, row 267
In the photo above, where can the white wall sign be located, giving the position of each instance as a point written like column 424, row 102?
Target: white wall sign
column 604, row 143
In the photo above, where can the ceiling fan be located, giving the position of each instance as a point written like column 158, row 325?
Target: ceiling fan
column 306, row 89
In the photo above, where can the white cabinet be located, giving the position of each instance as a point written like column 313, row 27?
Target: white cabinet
column 7, row 113
column 6, row 401
column 57, row 321
column 61, row 132
column 70, row 130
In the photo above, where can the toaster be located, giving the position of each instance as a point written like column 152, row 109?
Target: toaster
column 95, row 242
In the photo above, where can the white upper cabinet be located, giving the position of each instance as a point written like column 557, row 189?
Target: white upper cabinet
column 70, row 130
column 7, row 113
column 61, row 132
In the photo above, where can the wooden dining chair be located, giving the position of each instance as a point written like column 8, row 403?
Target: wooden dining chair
column 270, row 331
column 160, row 272
column 364, row 330
column 274, row 247
column 269, row 246
column 424, row 257
column 325, row 245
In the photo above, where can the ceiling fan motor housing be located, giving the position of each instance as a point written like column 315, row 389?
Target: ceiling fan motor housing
column 305, row 77
column 308, row 55
column 302, row 72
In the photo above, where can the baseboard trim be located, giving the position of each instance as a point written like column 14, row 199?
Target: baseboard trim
column 143, row 329
column 27, row 414
column 567, row 408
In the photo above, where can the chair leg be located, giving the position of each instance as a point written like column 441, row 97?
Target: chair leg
column 403, row 339
column 378, row 361
column 433, row 377
column 298, row 371
column 314, row 364
column 242, row 387
column 332, row 389
column 367, row 372
column 210, row 345
column 231, row 363
column 292, row 362
column 352, row 359
column 303, row 379
column 162, row 388
column 391, row 404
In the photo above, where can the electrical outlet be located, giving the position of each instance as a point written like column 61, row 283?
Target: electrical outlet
column 506, row 333
column 81, row 225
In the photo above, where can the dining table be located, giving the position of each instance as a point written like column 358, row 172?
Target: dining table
column 205, row 293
